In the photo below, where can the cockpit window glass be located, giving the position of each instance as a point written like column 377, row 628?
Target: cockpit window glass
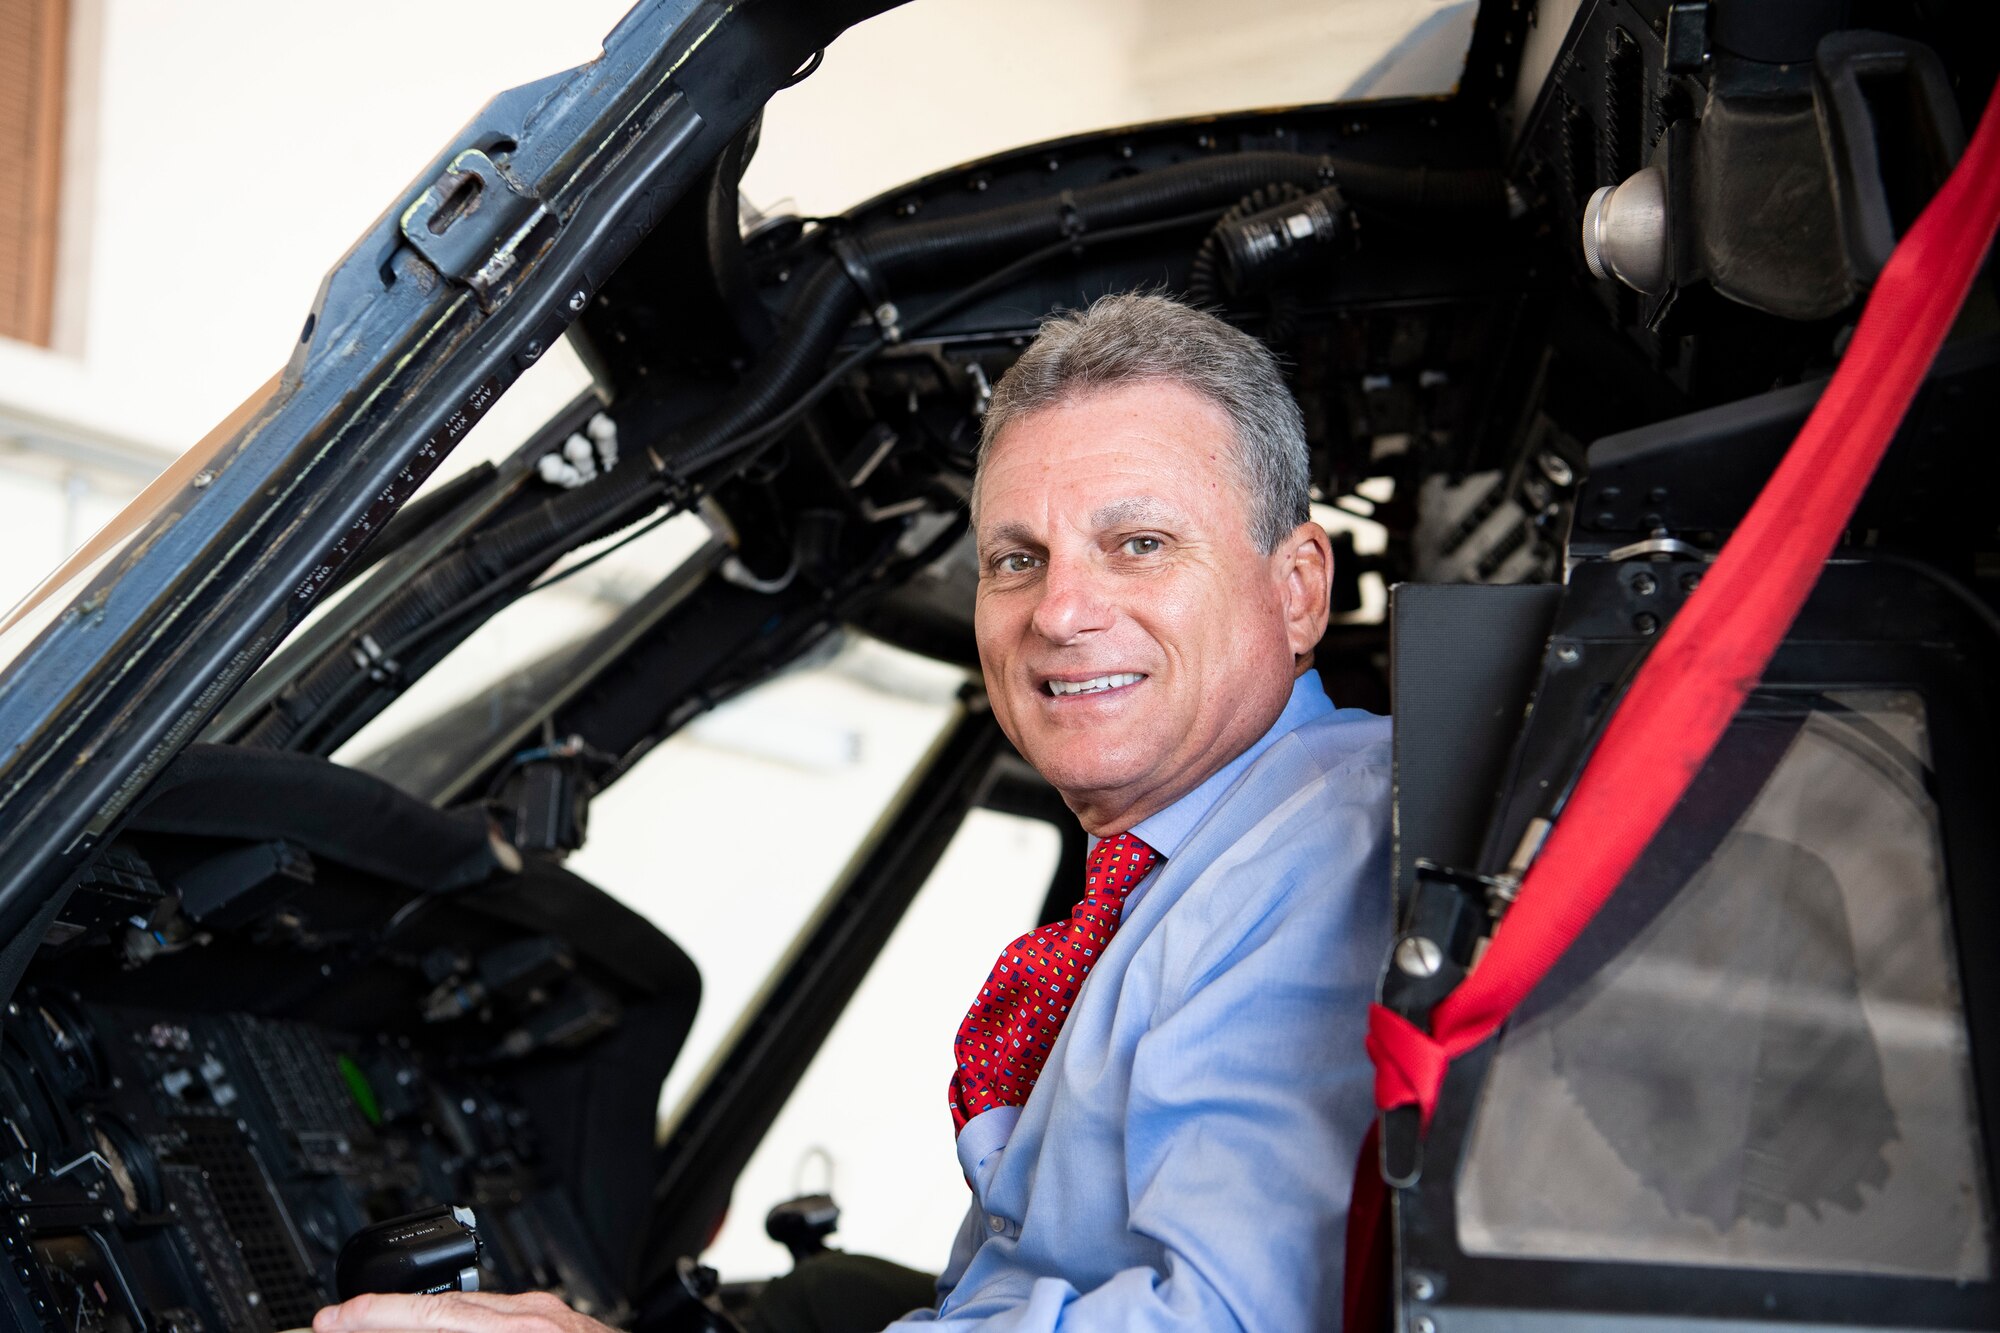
column 1757, row 1056
column 804, row 763
column 868, row 1119
column 995, row 77
column 502, row 671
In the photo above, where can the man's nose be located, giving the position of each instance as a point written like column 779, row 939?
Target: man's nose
column 1074, row 602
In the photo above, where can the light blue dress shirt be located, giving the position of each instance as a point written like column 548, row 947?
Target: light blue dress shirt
column 1185, row 1159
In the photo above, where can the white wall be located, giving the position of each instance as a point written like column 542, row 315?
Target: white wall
column 228, row 153
column 940, row 82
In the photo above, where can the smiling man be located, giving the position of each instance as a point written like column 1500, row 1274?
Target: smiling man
column 1151, row 589
column 1158, row 1101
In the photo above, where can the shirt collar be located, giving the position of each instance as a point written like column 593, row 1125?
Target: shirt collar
column 1167, row 830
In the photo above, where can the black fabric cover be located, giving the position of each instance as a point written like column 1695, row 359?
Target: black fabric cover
column 336, row 813
column 1463, row 661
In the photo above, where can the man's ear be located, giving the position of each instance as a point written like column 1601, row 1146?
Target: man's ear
column 1304, row 562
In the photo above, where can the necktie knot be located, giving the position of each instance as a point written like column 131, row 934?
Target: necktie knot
column 1114, row 866
column 1006, row 1038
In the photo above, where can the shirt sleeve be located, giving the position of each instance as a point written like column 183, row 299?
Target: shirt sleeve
column 1249, row 1096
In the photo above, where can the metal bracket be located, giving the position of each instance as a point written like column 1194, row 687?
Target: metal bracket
column 1660, row 546
column 1432, row 954
column 473, row 225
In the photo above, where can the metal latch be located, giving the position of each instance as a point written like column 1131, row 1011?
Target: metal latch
column 474, row 226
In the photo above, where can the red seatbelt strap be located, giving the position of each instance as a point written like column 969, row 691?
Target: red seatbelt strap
column 1712, row 654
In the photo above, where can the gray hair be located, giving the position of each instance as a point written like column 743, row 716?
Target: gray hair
column 1133, row 338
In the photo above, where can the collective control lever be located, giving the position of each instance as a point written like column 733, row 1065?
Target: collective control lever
column 431, row 1251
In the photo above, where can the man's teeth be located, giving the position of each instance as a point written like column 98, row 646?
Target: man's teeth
column 1095, row 683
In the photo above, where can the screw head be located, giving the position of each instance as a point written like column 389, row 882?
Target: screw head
column 202, row 479
column 577, row 299
column 1417, row 956
column 1423, row 1323
column 1567, row 654
column 533, row 349
column 1645, row 585
column 1646, row 623
column 1423, row 1287
column 1690, row 581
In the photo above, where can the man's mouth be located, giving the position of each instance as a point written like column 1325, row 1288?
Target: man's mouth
column 1095, row 685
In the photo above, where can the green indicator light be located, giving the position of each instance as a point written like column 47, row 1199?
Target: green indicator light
column 363, row 1090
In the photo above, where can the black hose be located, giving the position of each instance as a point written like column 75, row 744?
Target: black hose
column 727, row 263
column 924, row 249
column 1422, row 190
column 1204, row 283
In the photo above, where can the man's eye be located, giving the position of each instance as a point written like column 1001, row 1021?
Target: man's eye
column 1015, row 562
column 1143, row 545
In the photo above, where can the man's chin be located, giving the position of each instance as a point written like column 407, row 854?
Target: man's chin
column 1085, row 778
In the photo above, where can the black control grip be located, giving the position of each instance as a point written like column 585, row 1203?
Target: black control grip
column 435, row 1250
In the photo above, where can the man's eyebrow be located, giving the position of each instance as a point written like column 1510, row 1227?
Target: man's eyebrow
column 1138, row 509
column 1007, row 534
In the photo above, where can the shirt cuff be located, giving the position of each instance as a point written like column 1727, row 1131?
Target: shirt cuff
column 980, row 1143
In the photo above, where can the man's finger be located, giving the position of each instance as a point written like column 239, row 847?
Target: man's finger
column 446, row 1312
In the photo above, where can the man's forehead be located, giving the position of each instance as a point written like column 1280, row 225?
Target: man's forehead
column 1171, row 437
column 1114, row 512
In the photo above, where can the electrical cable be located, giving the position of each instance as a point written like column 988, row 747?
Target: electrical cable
column 963, row 298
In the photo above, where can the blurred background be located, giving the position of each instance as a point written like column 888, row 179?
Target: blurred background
column 175, row 177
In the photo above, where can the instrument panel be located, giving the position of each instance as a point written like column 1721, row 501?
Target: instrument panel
column 169, row 1172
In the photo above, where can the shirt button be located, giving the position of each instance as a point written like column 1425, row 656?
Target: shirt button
column 997, row 1223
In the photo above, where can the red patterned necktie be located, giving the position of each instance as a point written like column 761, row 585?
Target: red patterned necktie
column 1005, row 1039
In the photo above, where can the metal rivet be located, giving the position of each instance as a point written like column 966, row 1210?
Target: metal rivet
column 1417, row 956
column 1556, row 468
column 202, row 479
column 1645, row 585
column 1567, row 654
column 1690, row 581
column 577, row 299
column 533, row 349
column 1423, row 1323
column 1423, row 1287
column 1646, row 622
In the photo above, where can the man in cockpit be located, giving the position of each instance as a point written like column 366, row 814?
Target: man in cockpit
column 1157, row 1102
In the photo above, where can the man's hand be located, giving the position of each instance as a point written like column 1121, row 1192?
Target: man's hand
column 454, row 1312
